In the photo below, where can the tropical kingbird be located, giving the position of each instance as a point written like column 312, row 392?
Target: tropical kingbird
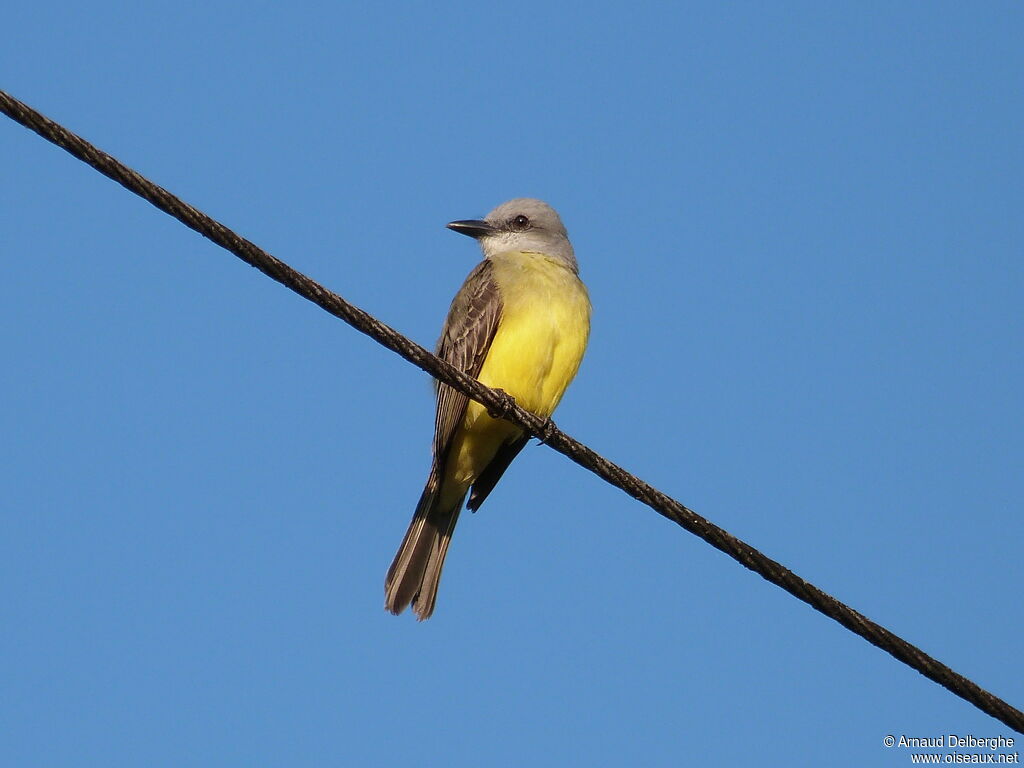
column 519, row 323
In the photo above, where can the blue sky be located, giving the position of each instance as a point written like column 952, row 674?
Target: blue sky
column 801, row 228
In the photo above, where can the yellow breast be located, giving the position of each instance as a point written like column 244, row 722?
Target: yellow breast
column 536, row 351
column 545, row 324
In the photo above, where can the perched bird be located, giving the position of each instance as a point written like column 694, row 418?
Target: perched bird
column 520, row 323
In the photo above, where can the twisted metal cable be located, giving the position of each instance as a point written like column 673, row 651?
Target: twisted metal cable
column 501, row 405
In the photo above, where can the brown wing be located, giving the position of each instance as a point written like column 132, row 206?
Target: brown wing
column 467, row 335
column 492, row 472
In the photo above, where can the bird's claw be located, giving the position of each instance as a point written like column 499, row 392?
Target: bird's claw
column 547, row 431
column 506, row 404
column 504, row 408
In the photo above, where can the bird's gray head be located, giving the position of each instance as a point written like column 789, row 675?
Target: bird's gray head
column 523, row 224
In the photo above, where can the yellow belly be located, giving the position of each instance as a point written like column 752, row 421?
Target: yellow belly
column 536, row 351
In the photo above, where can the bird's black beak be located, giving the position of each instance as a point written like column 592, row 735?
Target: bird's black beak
column 472, row 227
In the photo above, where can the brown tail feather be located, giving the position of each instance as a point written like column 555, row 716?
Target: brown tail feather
column 416, row 571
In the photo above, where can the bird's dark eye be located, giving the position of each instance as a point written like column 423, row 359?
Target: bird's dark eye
column 520, row 223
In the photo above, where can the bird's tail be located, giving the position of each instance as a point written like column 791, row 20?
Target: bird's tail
column 416, row 571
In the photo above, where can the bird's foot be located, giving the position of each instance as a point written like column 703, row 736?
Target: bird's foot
column 504, row 407
column 547, row 431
